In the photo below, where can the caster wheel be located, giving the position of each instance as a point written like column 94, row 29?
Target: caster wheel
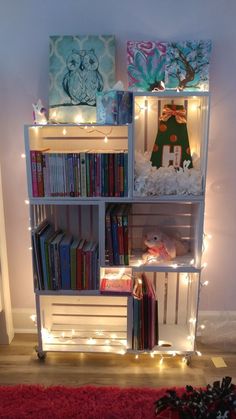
column 40, row 354
column 188, row 360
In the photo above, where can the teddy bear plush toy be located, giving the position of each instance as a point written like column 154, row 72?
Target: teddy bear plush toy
column 161, row 247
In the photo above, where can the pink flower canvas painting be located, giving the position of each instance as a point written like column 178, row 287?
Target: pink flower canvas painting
column 146, row 65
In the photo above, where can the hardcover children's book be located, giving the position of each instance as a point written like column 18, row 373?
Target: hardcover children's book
column 121, row 285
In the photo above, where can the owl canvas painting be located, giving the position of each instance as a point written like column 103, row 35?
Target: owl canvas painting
column 79, row 67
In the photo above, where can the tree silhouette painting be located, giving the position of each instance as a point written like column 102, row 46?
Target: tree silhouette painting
column 187, row 65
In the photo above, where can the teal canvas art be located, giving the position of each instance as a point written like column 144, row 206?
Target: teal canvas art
column 154, row 66
column 146, row 65
column 79, row 67
column 187, row 65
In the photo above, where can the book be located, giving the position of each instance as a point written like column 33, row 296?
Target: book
column 108, row 235
column 46, row 234
column 73, row 262
column 125, row 174
column 37, row 257
column 34, row 173
column 122, row 286
column 79, row 265
column 83, row 182
column 39, row 173
column 64, row 252
column 125, row 221
column 120, row 214
column 114, row 234
column 54, row 260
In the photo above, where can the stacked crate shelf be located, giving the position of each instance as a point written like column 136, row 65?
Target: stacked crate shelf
column 85, row 321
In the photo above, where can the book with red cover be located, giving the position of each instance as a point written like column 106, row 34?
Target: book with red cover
column 79, row 265
column 116, row 286
column 39, row 173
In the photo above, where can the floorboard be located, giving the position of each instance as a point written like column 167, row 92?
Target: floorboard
column 19, row 365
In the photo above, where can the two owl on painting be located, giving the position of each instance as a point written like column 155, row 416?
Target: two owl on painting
column 79, row 67
column 83, row 79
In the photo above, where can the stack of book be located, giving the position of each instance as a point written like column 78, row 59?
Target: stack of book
column 63, row 262
column 86, row 174
column 145, row 317
column 117, row 237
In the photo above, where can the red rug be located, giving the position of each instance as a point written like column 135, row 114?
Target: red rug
column 90, row 402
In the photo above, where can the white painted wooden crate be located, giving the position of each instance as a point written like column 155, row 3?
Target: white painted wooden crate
column 148, row 108
column 177, row 219
column 83, row 323
column 177, row 295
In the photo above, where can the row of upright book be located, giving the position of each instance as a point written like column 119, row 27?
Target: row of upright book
column 117, row 234
column 145, row 315
column 62, row 261
column 84, row 174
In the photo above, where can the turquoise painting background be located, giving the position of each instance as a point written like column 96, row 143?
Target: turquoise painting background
column 72, row 83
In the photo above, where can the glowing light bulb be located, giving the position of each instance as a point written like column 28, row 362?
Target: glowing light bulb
column 26, row 201
column 152, row 355
column 194, row 107
column 175, row 266
column 202, row 326
column 204, row 265
column 30, row 248
column 198, row 353
column 64, row 132
column 29, row 228
column 78, row 119
column 105, row 139
column 136, row 356
column 22, row 155
column 205, row 283
column 137, row 117
column 33, row 317
column 161, row 361
column 91, row 341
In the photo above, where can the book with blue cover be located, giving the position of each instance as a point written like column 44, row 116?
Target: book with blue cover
column 64, row 251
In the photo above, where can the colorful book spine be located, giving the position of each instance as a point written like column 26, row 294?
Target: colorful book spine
column 114, row 231
column 111, row 174
column 64, row 251
column 73, row 263
column 125, row 174
column 34, row 173
column 108, row 236
column 83, row 174
column 39, row 173
column 79, row 265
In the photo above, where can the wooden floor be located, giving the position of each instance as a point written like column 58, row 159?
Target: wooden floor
column 19, row 365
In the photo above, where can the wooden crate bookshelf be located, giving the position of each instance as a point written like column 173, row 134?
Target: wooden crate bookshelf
column 72, row 320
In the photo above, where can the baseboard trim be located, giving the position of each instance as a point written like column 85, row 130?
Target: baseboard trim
column 22, row 322
column 219, row 327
